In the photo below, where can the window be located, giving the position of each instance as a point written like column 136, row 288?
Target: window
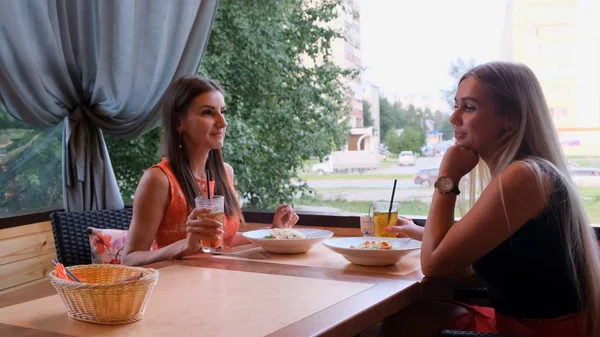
column 30, row 167
column 411, row 77
column 549, row 37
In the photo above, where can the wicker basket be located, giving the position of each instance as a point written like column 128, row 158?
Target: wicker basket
column 103, row 300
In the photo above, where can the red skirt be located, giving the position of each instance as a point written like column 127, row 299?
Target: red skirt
column 486, row 319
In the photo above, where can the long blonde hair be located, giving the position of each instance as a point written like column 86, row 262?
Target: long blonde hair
column 534, row 141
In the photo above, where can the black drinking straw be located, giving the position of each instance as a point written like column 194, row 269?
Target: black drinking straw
column 392, row 200
column 208, row 183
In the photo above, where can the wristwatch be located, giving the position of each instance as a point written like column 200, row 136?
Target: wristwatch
column 446, row 185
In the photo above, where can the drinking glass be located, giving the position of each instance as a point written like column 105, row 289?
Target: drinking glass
column 217, row 206
column 382, row 217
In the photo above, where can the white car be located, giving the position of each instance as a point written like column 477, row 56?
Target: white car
column 407, row 158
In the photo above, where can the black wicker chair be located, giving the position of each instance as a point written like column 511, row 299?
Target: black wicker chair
column 70, row 232
column 472, row 294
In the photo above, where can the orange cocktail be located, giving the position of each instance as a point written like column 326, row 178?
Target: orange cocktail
column 218, row 243
column 216, row 204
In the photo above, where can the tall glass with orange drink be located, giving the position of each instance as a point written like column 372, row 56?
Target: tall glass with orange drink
column 382, row 216
column 217, row 205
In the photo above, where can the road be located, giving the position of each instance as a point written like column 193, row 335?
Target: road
column 373, row 186
column 362, row 183
column 402, row 194
column 422, row 163
column 371, row 189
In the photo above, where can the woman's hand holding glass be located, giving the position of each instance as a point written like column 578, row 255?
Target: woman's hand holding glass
column 200, row 228
column 406, row 228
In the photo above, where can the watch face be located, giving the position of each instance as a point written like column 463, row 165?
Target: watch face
column 445, row 184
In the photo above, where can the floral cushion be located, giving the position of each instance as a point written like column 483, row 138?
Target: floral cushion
column 107, row 245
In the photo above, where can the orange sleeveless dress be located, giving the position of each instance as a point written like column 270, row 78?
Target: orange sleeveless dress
column 172, row 225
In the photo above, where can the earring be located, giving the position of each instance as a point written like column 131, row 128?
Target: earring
column 180, row 142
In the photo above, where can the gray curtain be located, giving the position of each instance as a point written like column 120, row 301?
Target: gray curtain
column 102, row 65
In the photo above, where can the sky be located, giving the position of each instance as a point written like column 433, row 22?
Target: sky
column 408, row 45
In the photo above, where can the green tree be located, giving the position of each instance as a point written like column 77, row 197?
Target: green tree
column 389, row 117
column 412, row 139
column 30, row 170
column 446, row 130
column 130, row 158
column 442, row 124
column 284, row 94
column 411, row 119
column 7, row 121
column 392, row 140
column 410, row 116
column 456, row 70
column 367, row 116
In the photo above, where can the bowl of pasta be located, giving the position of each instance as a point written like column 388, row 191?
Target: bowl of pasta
column 371, row 251
column 287, row 240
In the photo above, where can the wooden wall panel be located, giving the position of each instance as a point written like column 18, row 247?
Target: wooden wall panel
column 26, row 253
column 25, row 247
column 17, row 273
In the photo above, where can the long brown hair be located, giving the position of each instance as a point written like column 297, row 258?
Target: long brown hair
column 175, row 104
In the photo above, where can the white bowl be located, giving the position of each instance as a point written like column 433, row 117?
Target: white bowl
column 292, row 246
column 367, row 257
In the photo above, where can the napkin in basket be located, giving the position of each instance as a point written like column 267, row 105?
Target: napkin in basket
column 61, row 272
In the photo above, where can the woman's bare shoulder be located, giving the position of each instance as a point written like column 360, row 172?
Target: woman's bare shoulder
column 228, row 169
column 527, row 173
column 155, row 175
column 153, row 182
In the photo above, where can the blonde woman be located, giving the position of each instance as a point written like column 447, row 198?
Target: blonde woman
column 526, row 235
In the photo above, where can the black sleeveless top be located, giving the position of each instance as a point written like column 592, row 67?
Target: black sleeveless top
column 528, row 275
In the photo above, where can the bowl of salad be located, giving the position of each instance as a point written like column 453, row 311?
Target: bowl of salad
column 287, row 240
column 371, row 251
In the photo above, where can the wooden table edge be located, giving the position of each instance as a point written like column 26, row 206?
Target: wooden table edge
column 353, row 315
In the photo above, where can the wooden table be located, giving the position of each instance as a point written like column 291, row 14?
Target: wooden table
column 318, row 293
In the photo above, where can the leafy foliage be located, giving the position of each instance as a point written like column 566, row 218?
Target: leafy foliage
column 392, row 140
column 30, row 167
column 389, row 116
column 285, row 96
column 412, row 121
column 367, row 117
column 442, row 124
column 456, row 70
column 411, row 139
column 130, row 158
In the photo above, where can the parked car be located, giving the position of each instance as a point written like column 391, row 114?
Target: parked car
column 428, row 151
column 426, row 177
column 407, row 158
column 585, row 176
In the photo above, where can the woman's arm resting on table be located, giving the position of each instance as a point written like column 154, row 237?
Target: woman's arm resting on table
column 449, row 248
column 150, row 202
